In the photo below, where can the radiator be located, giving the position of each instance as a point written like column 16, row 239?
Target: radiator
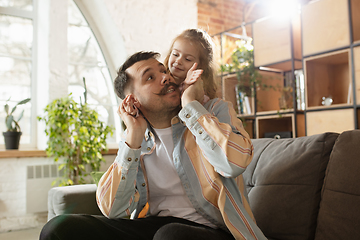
column 38, row 183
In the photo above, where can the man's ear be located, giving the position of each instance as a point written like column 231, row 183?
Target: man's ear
column 136, row 102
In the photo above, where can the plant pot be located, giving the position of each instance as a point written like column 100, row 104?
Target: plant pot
column 12, row 139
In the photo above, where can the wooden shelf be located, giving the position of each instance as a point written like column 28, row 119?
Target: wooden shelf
column 275, row 112
column 330, row 121
column 268, row 99
column 272, row 124
column 355, row 19
column 328, row 75
column 229, row 94
column 248, row 124
column 281, row 123
column 325, row 26
column 357, row 72
column 284, row 66
column 272, row 41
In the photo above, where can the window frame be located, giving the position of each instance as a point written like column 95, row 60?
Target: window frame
column 100, row 28
column 15, row 12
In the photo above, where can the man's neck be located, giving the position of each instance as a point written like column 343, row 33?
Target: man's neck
column 161, row 120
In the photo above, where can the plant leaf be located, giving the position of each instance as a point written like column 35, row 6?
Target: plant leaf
column 13, row 110
column 9, row 120
column 7, row 108
column 23, row 101
column 21, row 115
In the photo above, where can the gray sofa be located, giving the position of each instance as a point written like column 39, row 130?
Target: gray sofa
column 302, row 188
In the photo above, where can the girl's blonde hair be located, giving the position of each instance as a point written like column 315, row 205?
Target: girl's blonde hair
column 204, row 43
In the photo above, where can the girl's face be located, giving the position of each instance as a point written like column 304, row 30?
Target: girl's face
column 183, row 55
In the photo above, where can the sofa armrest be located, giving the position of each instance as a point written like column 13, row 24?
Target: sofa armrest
column 79, row 199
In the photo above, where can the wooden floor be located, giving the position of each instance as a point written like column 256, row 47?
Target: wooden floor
column 27, row 234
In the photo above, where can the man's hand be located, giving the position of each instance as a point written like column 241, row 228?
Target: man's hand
column 134, row 121
column 192, row 86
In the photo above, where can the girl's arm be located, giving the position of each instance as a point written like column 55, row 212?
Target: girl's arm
column 220, row 135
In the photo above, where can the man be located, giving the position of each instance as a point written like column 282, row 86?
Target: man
column 175, row 166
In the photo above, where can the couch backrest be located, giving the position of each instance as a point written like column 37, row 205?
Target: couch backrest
column 284, row 183
column 339, row 214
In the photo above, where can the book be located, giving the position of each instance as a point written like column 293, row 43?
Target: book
column 242, row 101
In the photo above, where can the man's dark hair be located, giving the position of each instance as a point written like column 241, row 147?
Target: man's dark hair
column 122, row 80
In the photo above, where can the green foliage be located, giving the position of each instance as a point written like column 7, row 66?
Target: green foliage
column 242, row 63
column 77, row 135
column 12, row 125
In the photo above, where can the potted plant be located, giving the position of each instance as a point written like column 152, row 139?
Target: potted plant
column 13, row 133
column 77, row 136
column 241, row 62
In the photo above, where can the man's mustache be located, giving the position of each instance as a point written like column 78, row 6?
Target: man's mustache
column 165, row 89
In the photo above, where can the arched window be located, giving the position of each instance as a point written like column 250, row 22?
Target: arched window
column 19, row 75
column 87, row 61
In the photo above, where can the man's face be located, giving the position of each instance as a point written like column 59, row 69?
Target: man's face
column 153, row 87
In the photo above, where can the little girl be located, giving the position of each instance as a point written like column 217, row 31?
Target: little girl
column 193, row 46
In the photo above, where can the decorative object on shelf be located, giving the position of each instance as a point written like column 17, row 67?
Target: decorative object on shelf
column 327, row 101
column 77, row 135
column 286, row 99
column 278, row 135
column 242, row 101
column 13, row 133
column 300, row 89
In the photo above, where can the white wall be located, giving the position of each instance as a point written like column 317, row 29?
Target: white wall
column 151, row 25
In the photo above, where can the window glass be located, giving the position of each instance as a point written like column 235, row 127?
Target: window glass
column 22, row 4
column 86, row 61
column 16, row 36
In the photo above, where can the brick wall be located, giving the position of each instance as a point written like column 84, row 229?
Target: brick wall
column 215, row 16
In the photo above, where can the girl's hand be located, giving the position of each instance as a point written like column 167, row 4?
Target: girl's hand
column 192, row 87
column 134, row 121
column 192, row 75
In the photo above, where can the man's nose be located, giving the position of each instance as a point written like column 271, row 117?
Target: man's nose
column 165, row 78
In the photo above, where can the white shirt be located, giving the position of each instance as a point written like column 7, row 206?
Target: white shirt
column 167, row 195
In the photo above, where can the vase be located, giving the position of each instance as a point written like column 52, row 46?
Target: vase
column 12, row 139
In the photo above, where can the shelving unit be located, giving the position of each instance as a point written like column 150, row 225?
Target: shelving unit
column 325, row 26
column 331, row 64
column 328, row 75
column 277, row 48
column 277, row 43
column 323, row 43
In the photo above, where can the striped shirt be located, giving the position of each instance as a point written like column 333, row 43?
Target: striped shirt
column 211, row 151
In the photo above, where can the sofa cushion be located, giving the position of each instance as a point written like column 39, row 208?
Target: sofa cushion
column 284, row 183
column 79, row 199
column 339, row 214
